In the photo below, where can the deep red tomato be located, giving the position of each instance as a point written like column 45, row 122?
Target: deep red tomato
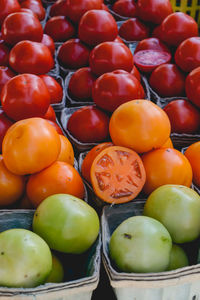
column 59, row 28
column 4, row 54
column 25, row 96
column 136, row 73
column 157, row 32
column 118, row 40
column 54, row 87
column 97, row 26
column 59, row 8
column 183, row 116
column 31, row 57
column 21, row 26
column 154, row 11
column 89, row 125
column 133, row 30
column 48, row 41
column 110, row 56
column 177, row 27
column 112, row 89
column 56, row 126
column 84, row 79
column 5, row 75
column 73, row 54
column 192, row 86
column 27, row 10
column 187, row 54
column 5, row 123
column 8, row 7
column 125, row 8
column 151, row 43
column 36, row 7
column 168, row 81
column 50, row 114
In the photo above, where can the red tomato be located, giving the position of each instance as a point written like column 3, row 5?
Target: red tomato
column 118, row 40
column 111, row 90
column 151, row 43
column 21, row 26
column 56, row 126
column 27, row 10
column 8, row 7
column 84, row 79
column 73, row 54
column 133, row 30
column 25, row 96
column 31, row 57
column 192, row 84
column 50, row 114
column 104, row 7
column 168, row 81
column 183, row 116
column 4, row 54
column 154, row 11
column 5, row 75
column 5, row 123
column 89, row 125
column 97, row 26
column 157, row 32
column 177, row 27
column 187, row 54
column 59, row 28
column 36, row 7
column 110, row 56
column 48, row 41
column 59, row 8
column 148, row 60
column 136, row 73
column 54, row 88
column 125, row 8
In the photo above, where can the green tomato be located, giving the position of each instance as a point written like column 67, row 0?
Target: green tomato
column 68, row 224
column 178, row 258
column 177, row 207
column 25, row 259
column 140, row 244
column 57, row 273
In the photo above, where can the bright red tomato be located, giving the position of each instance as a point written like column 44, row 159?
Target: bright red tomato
column 136, row 73
column 183, row 116
column 31, row 57
column 192, row 84
column 112, row 89
column 177, row 27
column 21, row 26
column 157, row 32
column 89, row 125
column 50, row 114
column 125, row 8
column 5, row 75
column 8, row 7
column 97, row 26
column 110, row 56
column 168, row 81
column 25, row 96
column 54, row 87
column 36, row 7
column 151, row 43
column 59, row 28
column 56, row 126
column 133, row 30
column 48, row 41
column 5, row 123
column 59, row 8
column 73, row 54
column 154, row 11
column 4, row 54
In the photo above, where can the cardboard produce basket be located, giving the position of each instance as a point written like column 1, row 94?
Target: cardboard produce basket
column 179, row 284
column 76, row 289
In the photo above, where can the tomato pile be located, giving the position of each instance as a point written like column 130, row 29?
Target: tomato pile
column 92, row 95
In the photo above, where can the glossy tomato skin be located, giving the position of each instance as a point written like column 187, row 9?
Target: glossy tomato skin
column 5, row 75
column 89, row 125
column 5, row 123
column 21, row 26
column 36, row 7
column 183, row 116
column 133, row 30
column 187, row 54
column 112, row 89
column 97, row 26
column 177, row 27
column 73, row 54
column 154, row 11
column 8, row 7
column 4, row 54
column 110, row 56
column 50, row 114
column 151, row 43
column 193, row 155
column 54, row 88
column 59, row 28
column 192, row 86
column 25, row 96
column 31, row 57
column 56, row 126
column 125, row 8
column 49, row 42
column 59, row 8
column 136, row 73
column 168, row 81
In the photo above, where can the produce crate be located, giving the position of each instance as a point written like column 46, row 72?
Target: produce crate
column 180, row 284
column 190, row 7
column 86, row 265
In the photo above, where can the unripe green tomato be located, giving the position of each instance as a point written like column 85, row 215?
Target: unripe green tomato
column 178, row 258
column 57, row 272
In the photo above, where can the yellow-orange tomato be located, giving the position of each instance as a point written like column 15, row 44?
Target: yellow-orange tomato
column 166, row 166
column 66, row 151
column 30, row 145
column 58, row 178
column 140, row 125
column 193, row 155
column 168, row 144
column 11, row 186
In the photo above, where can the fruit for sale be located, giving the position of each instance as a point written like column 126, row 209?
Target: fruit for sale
column 5, row 74
column 151, row 43
column 50, row 114
column 4, row 54
column 57, row 272
column 178, row 258
column 5, row 123
column 59, row 28
column 125, row 8
column 48, row 41
column 133, row 30
column 54, row 87
column 8, row 7
column 66, row 151
column 193, row 155
column 136, row 73
column 36, row 7
column 192, row 86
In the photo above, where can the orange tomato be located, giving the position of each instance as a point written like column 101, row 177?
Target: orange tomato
column 140, row 125
column 166, row 166
column 66, row 151
column 30, row 145
column 168, row 144
column 58, row 178
column 89, row 158
column 25, row 203
column 11, row 186
column 193, row 155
